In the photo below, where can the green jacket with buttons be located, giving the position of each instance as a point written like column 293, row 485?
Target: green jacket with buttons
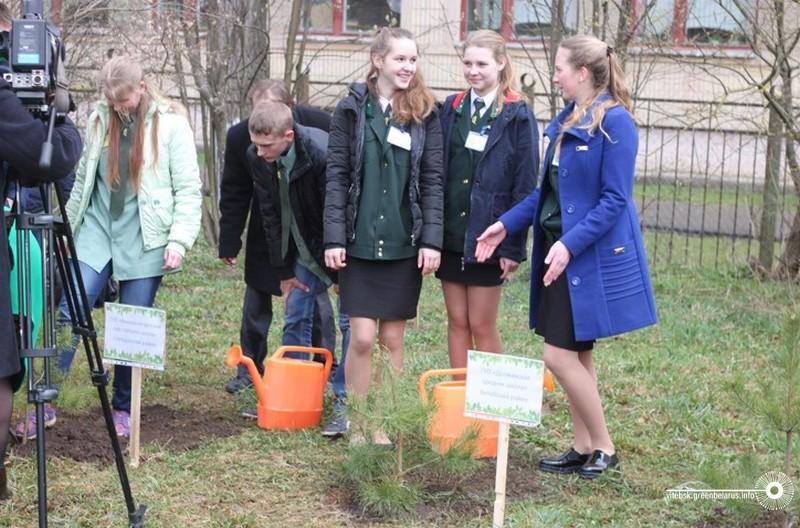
column 169, row 195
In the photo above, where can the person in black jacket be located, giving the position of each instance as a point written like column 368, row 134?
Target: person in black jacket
column 287, row 162
column 236, row 203
column 21, row 139
column 383, row 206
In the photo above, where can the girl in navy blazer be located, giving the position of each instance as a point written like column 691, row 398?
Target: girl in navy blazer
column 589, row 275
column 491, row 155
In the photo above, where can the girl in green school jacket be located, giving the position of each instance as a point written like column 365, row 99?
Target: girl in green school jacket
column 383, row 204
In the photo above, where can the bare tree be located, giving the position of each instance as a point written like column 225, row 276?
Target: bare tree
column 227, row 48
column 772, row 33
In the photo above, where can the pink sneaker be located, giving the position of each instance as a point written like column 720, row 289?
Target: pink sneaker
column 27, row 427
column 122, row 422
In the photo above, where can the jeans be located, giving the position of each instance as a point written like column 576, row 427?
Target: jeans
column 137, row 292
column 299, row 318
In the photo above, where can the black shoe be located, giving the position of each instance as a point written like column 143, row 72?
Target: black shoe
column 250, row 413
column 597, row 464
column 237, row 385
column 569, row 462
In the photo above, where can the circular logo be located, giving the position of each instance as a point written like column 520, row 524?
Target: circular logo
column 774, row 490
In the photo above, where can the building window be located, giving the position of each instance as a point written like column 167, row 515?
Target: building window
column 518, row 19
column 692, row 22
column 350, row 16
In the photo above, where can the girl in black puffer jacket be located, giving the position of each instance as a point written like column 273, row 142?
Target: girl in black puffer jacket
column 383, row 204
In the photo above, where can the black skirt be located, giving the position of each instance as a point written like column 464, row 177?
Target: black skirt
column 380, row 289
column 554, row 316
column 451, row 269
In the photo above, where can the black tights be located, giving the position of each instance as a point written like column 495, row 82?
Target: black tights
column 6, row 405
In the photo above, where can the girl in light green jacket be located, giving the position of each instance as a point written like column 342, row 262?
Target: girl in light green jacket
column 136, row 205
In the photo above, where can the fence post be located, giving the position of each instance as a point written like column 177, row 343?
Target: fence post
column 766, row 236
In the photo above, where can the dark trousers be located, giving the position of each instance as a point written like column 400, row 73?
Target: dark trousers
column 256, row 320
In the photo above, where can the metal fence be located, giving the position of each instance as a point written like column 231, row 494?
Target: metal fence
column 700, row 180
column 700, row 177
column 700, row 185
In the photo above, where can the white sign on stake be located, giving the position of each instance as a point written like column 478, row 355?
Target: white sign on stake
column 506, row 389
column 135, row 336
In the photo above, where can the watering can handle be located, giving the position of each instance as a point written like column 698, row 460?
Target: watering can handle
column 233, row 356
column 308, row 350
column 423, row 393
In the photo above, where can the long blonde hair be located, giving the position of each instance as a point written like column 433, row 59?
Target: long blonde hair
column 117, row 79
column 413, row 104
column 601, row 61
column 491, row 40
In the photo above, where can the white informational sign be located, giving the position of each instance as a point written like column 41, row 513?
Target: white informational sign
column 504, row 388
column 135, row 336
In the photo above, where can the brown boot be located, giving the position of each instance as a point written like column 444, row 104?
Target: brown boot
column 5, row 493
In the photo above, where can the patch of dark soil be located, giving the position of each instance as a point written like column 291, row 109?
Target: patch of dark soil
column 474, row 497
column 84, row 437
column 723, row 518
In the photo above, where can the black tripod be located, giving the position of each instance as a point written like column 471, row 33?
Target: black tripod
column 55, row 236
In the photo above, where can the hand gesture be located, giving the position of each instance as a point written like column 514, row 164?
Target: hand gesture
column 287, row 285
column 558, row 258
column 428, row 260
column 489, row 240
column 335, row 258
column 508, row 266
column 172, row 260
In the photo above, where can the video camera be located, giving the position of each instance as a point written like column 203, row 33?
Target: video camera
column 31, row 61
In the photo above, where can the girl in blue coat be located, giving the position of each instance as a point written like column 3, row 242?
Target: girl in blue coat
column 589, row 275
column 491, row 155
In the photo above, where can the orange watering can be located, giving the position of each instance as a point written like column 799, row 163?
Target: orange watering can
column 290, row 394
column 448, row 422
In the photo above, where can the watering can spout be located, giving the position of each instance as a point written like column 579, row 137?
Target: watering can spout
column 234, row 357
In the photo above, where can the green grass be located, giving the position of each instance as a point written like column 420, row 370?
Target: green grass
column 713, row 194
column 663, row 388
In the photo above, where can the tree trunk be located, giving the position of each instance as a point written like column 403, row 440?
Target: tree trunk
column 766, row 236
column 789, row 266
column 596, row 18
column 291, row 37
column 556, row 36
column 623, row 32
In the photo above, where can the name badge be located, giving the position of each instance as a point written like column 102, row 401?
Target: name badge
column 476, row 142
column 399, row 138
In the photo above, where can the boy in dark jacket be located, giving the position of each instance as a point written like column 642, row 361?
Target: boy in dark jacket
column 288, row 162
column 238, row 208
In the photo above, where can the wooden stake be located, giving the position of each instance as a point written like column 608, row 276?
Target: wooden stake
column 136, row 412
column 500, row 475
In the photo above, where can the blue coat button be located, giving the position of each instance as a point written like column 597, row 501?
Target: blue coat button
column 570, row 209
column 576, row 281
